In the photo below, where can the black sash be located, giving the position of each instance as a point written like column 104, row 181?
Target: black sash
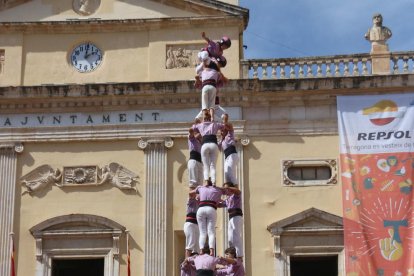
column 229, row 150
column 191, row 217
column 210, row 139
column 208, row 203
column 204, row 272
column 209, row 82
column 234, row 212
column 213, row 66
column 195, row 155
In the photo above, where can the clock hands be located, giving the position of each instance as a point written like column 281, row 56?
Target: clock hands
column 87, row 50
column 86, row 57
column 93, row 53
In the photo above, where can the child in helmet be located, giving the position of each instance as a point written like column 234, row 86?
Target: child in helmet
column 213, row 49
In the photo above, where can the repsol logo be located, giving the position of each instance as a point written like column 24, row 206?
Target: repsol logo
column 382, row 135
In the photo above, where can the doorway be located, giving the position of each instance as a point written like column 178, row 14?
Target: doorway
column 314, row 265
column 78, row 267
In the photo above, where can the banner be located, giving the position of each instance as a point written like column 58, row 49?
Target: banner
column 12, row 268
column 377, row 145
column 128, row 255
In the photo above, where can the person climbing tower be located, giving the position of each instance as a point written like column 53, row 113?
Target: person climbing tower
column 213, row 49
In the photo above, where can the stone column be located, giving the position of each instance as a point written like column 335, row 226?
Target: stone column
column 8, row 161
column 156, row 204
column 243, row 141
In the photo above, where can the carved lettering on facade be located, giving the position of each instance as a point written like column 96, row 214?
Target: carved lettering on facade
column 182, row 56
column 103, row 119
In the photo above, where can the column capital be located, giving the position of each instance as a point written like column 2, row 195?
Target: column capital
column 244, row 140
column 17, row 147
column 145, row 141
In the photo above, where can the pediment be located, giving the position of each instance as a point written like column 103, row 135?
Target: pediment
column 57, row 10
column 7, row 4
column 307, row 221
column 76, row 223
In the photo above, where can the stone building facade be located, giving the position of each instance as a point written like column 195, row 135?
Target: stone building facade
column 89, row 154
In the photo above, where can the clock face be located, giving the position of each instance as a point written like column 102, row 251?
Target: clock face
column 86, row 57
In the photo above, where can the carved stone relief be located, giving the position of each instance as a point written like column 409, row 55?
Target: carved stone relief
column 113, row 174
column 40, row 178
column 80, row 175
column 86, row 7
column 118, row 176
column 182, row 56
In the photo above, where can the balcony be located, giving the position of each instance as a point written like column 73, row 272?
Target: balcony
column 328, row 66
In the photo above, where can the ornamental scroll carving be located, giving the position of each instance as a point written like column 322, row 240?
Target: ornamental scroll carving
column 329, row 163
column 182, row 56
column 113, row 174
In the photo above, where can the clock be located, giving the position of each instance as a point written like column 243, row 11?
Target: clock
column 85, row 7
column 86, row 57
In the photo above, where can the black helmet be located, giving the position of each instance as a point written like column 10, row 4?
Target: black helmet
column 222, row 61
column 225, row 41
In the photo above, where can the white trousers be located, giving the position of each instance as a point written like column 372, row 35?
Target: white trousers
column 234, row 232
column 206, row 219
column 208, row 96
column 195, row 173
column 209, row 152
column 230, row 168
column 192, row 236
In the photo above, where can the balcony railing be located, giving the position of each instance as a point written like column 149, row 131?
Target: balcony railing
column 323, row 66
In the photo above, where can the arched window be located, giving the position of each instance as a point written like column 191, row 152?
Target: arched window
column 70, row 241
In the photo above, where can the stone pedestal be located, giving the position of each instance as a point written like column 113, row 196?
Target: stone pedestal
column 156, row 204
column 380, row 59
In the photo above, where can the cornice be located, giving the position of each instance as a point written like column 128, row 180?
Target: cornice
column 103, row 133
column 7, row 4
column 98, row 25
column 246, row 92
column 224, row 7
column 204, row 7
column 260, row 101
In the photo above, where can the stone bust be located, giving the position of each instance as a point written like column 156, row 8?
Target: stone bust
column 378, row 33
column 86, row 7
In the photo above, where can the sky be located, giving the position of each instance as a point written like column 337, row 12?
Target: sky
column 303, row 28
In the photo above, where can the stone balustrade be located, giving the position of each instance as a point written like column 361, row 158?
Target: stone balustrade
column 322, row 66
column 402, row 62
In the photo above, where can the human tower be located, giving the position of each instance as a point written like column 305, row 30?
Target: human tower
column 204, row 195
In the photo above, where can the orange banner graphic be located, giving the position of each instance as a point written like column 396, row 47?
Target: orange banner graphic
column 377, row 169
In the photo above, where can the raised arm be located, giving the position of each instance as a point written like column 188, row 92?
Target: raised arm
column 234, row 190
column 203, row 35
column 199, row 68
